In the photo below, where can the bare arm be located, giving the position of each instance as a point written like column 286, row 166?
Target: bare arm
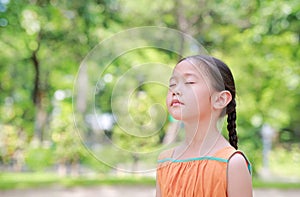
column 239, row 177
column 158, row 193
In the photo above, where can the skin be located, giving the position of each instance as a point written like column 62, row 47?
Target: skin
column 192, row 99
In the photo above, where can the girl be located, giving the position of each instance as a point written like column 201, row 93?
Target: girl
column 202, row 91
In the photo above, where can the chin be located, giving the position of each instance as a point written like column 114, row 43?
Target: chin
column 180, row 117
column 176, row 116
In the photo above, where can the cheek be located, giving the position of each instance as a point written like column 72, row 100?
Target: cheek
column 201, row 97
column 169, row 99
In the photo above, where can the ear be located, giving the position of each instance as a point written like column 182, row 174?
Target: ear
column 221, row 99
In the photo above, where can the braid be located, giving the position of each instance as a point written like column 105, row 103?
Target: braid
column 222, row 78
column 231, row 125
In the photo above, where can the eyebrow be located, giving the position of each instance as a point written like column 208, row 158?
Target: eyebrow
column 185, row 75
column 189, row 74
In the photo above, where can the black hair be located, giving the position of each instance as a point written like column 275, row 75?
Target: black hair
column 222, row 80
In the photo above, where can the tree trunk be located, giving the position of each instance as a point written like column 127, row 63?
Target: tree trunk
column 75, row 167
column 62, row 168
column 37, row 97
column 82, row 87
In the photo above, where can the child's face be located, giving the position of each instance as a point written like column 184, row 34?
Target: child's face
column 189, row 95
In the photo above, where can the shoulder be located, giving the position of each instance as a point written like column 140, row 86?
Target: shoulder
column 238, row 161
column 239, row 177
column 166, row 154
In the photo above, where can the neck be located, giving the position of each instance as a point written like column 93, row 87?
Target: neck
column 201, row 137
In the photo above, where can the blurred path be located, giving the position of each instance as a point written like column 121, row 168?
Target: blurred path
column 276, row 193
column 123, row 191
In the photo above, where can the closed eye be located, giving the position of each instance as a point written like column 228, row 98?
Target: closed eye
column 172, row 85
column 190, row 82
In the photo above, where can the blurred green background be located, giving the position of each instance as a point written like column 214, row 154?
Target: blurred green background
column 44, row 41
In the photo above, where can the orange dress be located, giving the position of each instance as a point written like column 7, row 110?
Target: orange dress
column 201, row 176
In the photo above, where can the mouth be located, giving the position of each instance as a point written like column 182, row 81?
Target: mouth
column 176, row 102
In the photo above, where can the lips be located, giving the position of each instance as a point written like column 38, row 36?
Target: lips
column 176, row 102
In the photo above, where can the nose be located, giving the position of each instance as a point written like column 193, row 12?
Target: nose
column 176, row 92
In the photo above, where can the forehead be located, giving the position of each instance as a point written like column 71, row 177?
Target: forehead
column 187, row 68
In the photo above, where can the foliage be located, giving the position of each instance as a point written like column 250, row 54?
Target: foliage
column 285, row 162
column 39, row 158
column 43, row 42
